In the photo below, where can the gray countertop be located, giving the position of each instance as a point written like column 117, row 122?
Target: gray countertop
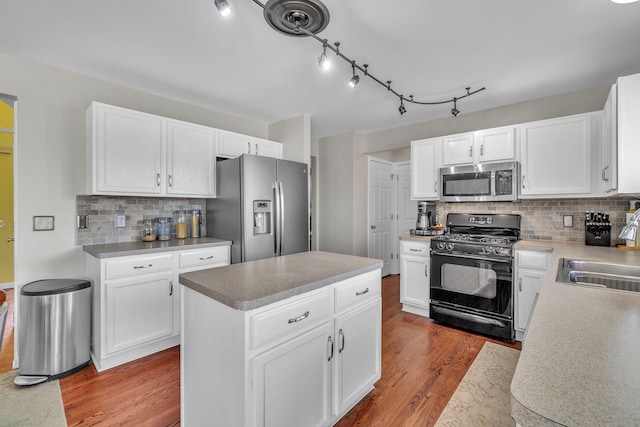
column 109, row 250
column 579, row 362
column 254, row 284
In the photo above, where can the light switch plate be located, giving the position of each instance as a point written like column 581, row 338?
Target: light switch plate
column 567, row 220
column 43, row 223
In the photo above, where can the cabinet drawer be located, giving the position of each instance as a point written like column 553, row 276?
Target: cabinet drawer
column 533, row 259
column 357, row 290
column 127, row 267
column 415, row 248
column 289, row 318
column 204, row 257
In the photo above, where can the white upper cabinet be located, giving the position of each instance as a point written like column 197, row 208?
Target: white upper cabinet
column 608, row 165
column 457, row 149
column 190, row 159
column 628, row 134
column 131, row 153
column 556, row 157
column 124, row 151
column 231, row 144
column 425, row 167
column 489, row 145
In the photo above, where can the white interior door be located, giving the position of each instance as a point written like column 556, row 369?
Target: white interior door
column 380, row 212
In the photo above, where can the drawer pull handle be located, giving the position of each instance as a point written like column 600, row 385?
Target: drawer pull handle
column 137, row 267
column 299, row 318
column 341, row 334
column 362, row 292
column 204, row 259
column 415, row 250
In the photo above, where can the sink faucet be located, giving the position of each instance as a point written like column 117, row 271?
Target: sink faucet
column 629, row 231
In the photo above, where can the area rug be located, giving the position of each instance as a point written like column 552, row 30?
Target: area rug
column 483, row 398
column 32, row 406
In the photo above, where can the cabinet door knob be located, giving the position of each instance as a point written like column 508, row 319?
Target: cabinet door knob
column 158, row 179
column 248, row 148
column 373, row 227
column 170, row 181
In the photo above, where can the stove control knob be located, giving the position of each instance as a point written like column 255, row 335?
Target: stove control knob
column 450, row 246
column 441, row 245
column 486, row 250
column 497, row 251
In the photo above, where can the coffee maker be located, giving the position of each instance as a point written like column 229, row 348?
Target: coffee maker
column 426, row 217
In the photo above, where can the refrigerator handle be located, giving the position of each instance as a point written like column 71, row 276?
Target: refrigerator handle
column 276, row 219
column 281, row 215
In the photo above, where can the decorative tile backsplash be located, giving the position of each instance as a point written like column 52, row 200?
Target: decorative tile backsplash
column 100, row 211
column 543, row 219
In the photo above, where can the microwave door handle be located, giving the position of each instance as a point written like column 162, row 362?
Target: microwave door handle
column 493, row 183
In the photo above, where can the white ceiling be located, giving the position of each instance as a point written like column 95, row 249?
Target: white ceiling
column 431, row 49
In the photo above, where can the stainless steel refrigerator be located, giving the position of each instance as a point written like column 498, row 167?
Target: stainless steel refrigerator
column 261, row 206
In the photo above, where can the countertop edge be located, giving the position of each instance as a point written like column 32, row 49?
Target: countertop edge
column 112, row 250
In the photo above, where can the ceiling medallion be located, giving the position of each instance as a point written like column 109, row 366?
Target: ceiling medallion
column 310, row 15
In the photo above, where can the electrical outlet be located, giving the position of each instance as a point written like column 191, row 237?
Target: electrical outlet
column 567, row 220
column 119, row 221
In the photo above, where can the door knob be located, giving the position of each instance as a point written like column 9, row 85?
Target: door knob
column 373, row 227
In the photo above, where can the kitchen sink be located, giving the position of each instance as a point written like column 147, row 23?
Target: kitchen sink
column 599, row 274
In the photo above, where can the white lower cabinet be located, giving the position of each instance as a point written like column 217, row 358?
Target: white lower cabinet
column 414, row 277
column 140, row 310
column 531, row 267
column 303, row 361
column 136, row 302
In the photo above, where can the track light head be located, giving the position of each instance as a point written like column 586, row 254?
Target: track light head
column 223, row 7
column 455, row 110
column 401, row 108
column 355, row 79
column 323, row 60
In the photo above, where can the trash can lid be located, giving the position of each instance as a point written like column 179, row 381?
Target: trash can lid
column 54, row 286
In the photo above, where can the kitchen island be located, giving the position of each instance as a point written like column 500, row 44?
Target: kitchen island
column 292, row 340
column 579, row 361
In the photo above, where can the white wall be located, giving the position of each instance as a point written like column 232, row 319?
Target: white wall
column 295, row 134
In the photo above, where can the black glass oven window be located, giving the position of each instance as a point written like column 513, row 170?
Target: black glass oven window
column 470, row 280
column 467, row 184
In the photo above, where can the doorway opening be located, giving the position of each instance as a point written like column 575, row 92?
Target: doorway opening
column 7, row 158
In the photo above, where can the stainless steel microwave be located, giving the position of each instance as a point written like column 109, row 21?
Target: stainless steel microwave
column 485, row 182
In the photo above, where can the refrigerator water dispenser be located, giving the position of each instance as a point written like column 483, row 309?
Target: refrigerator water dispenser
column 261, row 216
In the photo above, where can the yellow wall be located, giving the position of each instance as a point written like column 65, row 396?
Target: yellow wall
column 6, row 193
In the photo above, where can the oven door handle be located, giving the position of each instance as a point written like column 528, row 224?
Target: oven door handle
column 476, row 257
column 468, row 316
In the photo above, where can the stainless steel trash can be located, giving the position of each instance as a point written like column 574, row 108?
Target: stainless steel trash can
column 54, row 329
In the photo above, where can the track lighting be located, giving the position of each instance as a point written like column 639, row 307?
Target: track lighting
column 323, row 61
column 308, row 14
column 223, row 7
column 356, row 78
column 455, row 110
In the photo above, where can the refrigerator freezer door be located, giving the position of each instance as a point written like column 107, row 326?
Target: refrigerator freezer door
column 258, row 181
column 294, row 184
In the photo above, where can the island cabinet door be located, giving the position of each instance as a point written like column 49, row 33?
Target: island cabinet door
column 358, row 354
column 292, row 382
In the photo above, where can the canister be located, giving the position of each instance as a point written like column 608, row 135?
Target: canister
column 164, row 228
column 181, row 225
column 196, row 220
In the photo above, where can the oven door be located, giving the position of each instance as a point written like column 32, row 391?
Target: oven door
column 474, row 294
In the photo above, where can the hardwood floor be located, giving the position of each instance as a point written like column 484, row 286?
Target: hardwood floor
column 422, row 364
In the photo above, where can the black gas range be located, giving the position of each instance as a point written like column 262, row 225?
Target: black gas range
column 472, row 280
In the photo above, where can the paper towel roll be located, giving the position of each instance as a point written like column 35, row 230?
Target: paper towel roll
column 632, row 243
